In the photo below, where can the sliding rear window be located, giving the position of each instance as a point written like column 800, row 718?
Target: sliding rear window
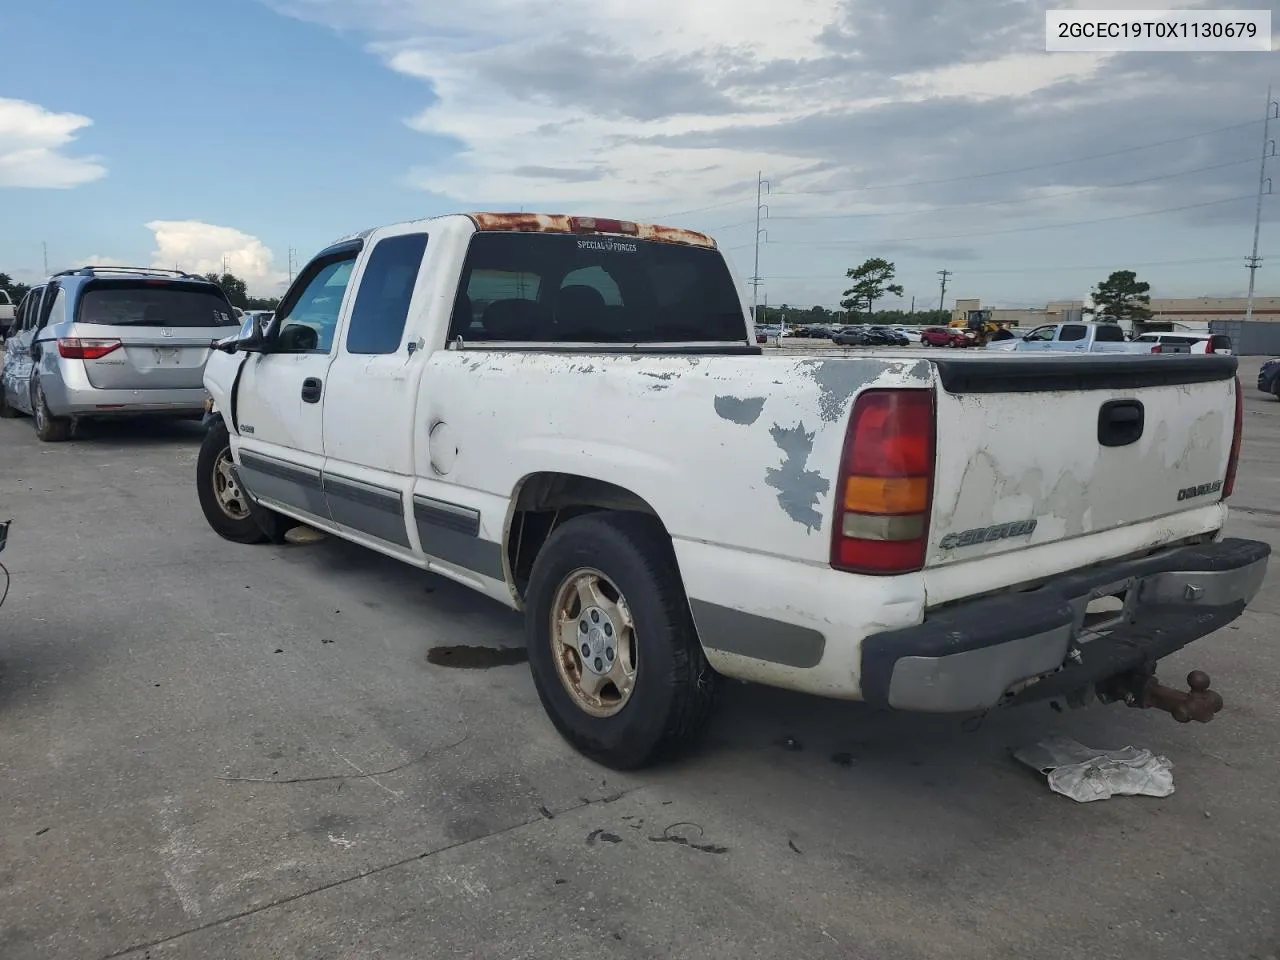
column 152, row 303
column 564, row 288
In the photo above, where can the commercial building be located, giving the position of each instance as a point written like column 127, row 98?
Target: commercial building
column 1166, row 313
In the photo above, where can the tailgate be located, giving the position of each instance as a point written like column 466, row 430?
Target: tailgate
column 149, row 358
column 1032, row 449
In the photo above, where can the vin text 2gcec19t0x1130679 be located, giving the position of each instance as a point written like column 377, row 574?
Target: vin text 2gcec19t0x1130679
column 571, row 416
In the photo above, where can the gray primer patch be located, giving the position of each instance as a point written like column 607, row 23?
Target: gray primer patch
column 838, row 380
column 798, row 488
column 740, row 411
column 751, row 635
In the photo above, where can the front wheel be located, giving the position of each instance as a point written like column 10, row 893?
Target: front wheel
column 613, row 649
column 225, row 504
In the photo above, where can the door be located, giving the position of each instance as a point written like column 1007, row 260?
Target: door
column 1073, row 336
column 372, row 393
column 277, row 405
column 17, row 351
column 1041, row 338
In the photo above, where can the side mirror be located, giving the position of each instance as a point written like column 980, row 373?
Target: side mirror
column 252, row 338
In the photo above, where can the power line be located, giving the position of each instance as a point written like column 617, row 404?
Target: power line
column 990, row 203
column 1046, row 226
column 1035, row 166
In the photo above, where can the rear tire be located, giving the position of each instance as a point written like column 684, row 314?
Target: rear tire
column 49, row 428
column 671, row 686
column 228, row 510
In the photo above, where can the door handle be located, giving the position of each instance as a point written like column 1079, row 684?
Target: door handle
column 311, row 390
column 1120, row 422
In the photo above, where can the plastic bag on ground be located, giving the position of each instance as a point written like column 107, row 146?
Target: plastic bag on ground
column 1085, row 774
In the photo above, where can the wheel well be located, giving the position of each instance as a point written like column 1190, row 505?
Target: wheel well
column 544, row 501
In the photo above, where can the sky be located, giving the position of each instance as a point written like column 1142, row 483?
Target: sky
column 937, row 134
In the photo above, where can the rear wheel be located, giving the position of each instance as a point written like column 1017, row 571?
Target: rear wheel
column 49, row 428
column 612, row 646
column 225, row 504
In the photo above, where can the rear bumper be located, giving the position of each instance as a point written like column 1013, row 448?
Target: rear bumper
column 1036, row 645
column 85, row 401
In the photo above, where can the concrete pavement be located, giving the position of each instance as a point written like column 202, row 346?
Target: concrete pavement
column 213, row 751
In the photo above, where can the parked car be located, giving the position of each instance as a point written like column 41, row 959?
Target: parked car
column 943, row 337
column 911, row 334
column 851, row 337
column 887, row 336
column 1073, row 338
column 1185, row 342
column 855, row 551
column 112, row 341
column 1269, row 377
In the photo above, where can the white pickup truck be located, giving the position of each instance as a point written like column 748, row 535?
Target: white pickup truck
column 1074, row 338
column 7, row 314
column 570, row 416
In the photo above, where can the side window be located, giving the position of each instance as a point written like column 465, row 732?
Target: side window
column 1040, row 335
column 30, row 320
column 309, row 323
column 1110, row 333
column 598, row 279
column 57, row 311
column 1072, row 332
column 382, row 299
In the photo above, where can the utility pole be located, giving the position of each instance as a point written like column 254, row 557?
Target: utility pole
column 291, row 264
column 1268, row 150
column 224, row 264
column 942, row 297
column 45, row 247
column 912, row 314
column 762, row 188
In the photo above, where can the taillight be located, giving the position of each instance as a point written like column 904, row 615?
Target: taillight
column 1233, row 461
column 1156, row 349
column 79, row 348
column 885, row 484
column 596, row 225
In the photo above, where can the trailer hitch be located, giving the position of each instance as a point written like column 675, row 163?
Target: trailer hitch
column 1144, row 692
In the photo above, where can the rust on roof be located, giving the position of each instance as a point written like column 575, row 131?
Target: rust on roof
column 562, row 223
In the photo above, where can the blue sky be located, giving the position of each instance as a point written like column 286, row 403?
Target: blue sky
column 936, row 133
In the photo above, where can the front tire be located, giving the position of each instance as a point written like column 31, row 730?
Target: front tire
column 226, row 507
column 613, row 649
column 49, row 428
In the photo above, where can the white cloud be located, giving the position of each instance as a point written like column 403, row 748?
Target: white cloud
column 31, row 148
column 199, row 247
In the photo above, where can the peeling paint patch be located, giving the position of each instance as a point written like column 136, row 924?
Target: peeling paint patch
column 798, row 488
column 742, row 411
column 661, row 386
column 669, row 375
column 838, row 380
column 589, row 368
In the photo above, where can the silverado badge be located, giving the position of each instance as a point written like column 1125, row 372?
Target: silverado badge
column 999, row 531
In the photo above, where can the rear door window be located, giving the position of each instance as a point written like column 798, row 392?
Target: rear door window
column 545, row 288
column 154, row 303
column 382, row 300
column 1109, row 333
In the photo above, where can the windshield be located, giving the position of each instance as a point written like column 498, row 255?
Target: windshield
column 154, row 303
column 565, row 288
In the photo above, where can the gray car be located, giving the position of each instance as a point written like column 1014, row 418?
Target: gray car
column 112, row 341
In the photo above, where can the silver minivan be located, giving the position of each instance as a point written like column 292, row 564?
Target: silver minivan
column 112, row 341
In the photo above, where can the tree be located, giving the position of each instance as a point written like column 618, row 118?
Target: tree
column 233, row 287
column 261, row 303
column 13, row 288
column 871, row 281
column 1122, row 296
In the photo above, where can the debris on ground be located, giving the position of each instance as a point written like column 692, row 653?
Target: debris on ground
column 303, row 535
column 1086, row 774
column 669, row 836
column 789, row 743
column 602, row 835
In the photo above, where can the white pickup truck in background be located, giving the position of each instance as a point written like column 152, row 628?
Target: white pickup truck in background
column 571, row 416
column 1073, row 338
column 7, row 313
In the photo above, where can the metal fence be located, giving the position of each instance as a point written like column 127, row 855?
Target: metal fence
column 1252, row 339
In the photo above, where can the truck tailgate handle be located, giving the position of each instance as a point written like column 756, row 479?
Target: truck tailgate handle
column 1120, row 422
column 311, row 390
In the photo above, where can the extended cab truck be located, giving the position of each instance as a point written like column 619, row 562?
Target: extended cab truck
column 1074, row 338
column 570, row 416
column 7, row 312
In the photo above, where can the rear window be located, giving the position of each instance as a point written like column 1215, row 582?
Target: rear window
column 564, row 288
column 142, row 303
